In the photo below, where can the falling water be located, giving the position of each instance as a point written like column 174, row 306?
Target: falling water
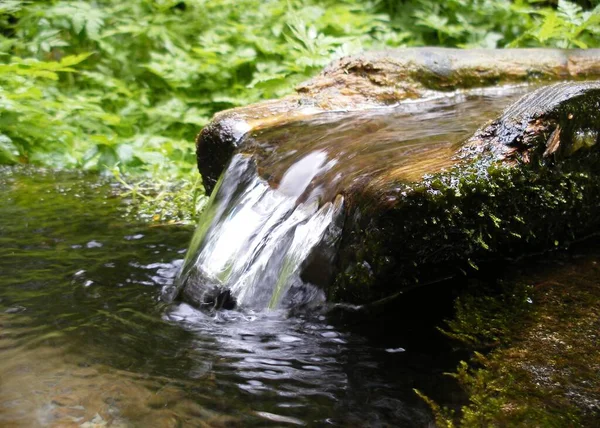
column 257, row 242
column 269, row 235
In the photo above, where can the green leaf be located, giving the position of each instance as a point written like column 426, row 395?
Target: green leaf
column 70, row 60
column 8, row 152
column 550, row 28
column 570, row 12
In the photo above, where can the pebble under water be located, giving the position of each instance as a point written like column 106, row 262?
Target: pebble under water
column 86, row 341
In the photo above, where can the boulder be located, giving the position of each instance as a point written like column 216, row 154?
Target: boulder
column 525, row 183
column 383, row 78
column 423, row 190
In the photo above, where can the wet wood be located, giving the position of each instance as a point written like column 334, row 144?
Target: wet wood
column 376, row 79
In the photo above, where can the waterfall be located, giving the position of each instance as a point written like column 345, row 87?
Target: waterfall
column 270, row 232
column 263, row 247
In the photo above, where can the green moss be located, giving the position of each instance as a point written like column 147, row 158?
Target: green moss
column 543, row 369
column 455, row 220
column 484, row 315
column 487, row 208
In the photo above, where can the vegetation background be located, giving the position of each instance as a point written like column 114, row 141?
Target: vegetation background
column 124, row 86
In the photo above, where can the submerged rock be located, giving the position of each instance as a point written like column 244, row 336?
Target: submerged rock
column 398, row 196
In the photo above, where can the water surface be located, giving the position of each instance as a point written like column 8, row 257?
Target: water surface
column 85, row 339
column 370, row 150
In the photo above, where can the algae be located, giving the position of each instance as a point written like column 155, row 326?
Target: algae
column 535, row 358
column 506, row 199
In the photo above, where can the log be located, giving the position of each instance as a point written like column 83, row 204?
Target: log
column 375, row 79
column 430, row 189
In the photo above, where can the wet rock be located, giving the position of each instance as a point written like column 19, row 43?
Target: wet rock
column 393, row 75
column 215, row 146
column 375, row 79
column 523, row 183
column 536, row 335
column 437, row 201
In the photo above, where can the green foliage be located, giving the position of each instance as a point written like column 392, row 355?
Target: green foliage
column 496, row 23
column 482, row 318
column 567, row 26
column 110, row 84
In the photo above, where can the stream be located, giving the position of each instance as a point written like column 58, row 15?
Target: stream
column 86, row 341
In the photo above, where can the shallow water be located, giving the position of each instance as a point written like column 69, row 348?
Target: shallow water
column 86, row 341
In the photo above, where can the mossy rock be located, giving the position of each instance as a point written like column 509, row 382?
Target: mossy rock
column 382, row 78
column 534, row 338
column 525, row 183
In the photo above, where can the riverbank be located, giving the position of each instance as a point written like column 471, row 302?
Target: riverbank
column 535, row 358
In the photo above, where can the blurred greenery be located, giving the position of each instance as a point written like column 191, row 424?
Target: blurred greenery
column 124, row 86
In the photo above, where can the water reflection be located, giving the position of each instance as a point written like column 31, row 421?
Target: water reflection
column 85, row 340
column 301, row 367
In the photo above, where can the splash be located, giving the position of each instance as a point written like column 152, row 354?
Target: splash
column 256, row 245
column 269, row 236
